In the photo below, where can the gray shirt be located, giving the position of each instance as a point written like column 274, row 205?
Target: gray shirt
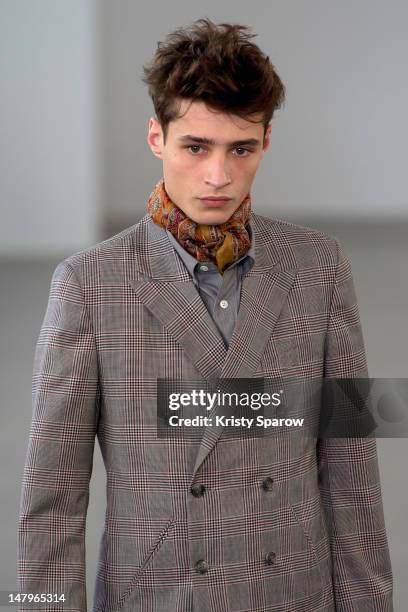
column 220, row 293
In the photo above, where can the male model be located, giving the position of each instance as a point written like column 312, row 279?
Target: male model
column 201, row 288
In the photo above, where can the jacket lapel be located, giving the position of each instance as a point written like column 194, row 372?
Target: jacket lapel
column 164, row 286
column 166, row 289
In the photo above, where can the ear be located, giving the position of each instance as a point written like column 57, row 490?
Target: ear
column 155, row 137
column 267, row 138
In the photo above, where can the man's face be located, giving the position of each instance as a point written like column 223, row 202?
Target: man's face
column 193, row 169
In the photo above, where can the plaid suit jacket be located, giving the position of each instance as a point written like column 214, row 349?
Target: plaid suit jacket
column 276, row 526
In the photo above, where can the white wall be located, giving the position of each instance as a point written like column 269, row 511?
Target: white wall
column 48, row 135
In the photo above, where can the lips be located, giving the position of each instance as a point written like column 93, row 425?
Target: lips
column 215, row 198
column 215, row 202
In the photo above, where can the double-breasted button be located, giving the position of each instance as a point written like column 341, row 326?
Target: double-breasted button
column 270, row 557
column 201, row 566
column 267, row 484
column 197, row 489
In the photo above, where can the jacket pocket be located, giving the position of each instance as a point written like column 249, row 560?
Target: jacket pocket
column 148, row 557
column 316, row 537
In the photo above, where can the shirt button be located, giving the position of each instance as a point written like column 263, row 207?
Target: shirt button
column 204, row 268
column 224, row 304
column 270, row 558
column 201, row 566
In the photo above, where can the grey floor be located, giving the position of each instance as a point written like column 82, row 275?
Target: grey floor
column 379, row 257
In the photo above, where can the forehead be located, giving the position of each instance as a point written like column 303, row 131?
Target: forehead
column 195, row 117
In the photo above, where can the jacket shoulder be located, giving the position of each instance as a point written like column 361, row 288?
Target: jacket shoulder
column 302, row 246
column 116, row 248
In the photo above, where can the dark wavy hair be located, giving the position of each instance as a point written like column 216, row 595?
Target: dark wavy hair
column 216, row 64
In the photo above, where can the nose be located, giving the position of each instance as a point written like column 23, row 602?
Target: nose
column 218, row 175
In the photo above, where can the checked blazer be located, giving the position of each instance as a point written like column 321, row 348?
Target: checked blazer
column 222, row 524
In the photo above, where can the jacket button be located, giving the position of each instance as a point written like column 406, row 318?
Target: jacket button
column 201, row 566
column 267, row 484
column 270, row 557
column 198, row 490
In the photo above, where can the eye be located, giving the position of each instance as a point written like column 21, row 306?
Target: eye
column 242, row 149
column 193, row 146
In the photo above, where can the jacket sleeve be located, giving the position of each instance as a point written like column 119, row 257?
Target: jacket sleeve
column 349, row 477
column 58, row 463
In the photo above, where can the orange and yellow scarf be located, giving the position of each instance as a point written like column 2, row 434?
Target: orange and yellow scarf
column 222, row 244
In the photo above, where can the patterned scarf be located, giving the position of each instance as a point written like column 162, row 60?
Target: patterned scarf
column 222, row 244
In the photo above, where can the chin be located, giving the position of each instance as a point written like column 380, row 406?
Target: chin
column 211, row 218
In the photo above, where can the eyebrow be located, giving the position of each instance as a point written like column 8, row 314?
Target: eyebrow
column 210, row 141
